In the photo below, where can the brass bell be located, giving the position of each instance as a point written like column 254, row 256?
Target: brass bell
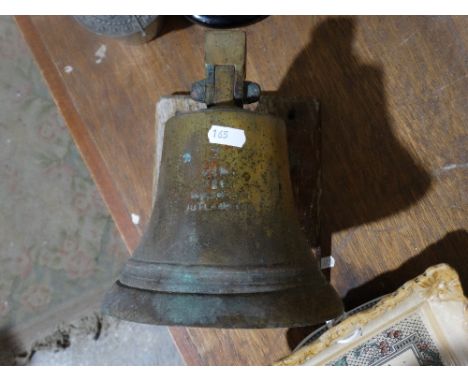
column 223, row 247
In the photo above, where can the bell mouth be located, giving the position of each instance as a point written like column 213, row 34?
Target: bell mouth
column 294, row 307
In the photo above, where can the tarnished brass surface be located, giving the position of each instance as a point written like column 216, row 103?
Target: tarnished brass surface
column 221, row 211
column 224, row 247
column 225, row 71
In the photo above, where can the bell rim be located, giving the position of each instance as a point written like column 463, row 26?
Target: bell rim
column 295, row 307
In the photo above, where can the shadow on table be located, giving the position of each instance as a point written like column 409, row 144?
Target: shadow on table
column 451, row 249
column 366, row 173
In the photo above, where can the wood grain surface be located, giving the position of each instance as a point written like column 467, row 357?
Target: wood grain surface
column 393, row 94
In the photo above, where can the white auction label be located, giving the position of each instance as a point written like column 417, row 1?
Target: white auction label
column 229, row 136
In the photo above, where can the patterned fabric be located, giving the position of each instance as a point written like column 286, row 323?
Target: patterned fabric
column 58, row 243
column 406, row 343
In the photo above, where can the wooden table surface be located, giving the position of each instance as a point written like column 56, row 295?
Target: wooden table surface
column 394, row 94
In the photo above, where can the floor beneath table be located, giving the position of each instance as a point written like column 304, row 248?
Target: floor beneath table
column 59, row 248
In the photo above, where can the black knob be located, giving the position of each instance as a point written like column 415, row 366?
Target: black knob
column 225, row 21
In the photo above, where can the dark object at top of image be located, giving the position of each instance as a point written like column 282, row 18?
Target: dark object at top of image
column 225, row 21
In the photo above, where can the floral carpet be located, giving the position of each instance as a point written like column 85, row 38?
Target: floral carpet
column 58, row 244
